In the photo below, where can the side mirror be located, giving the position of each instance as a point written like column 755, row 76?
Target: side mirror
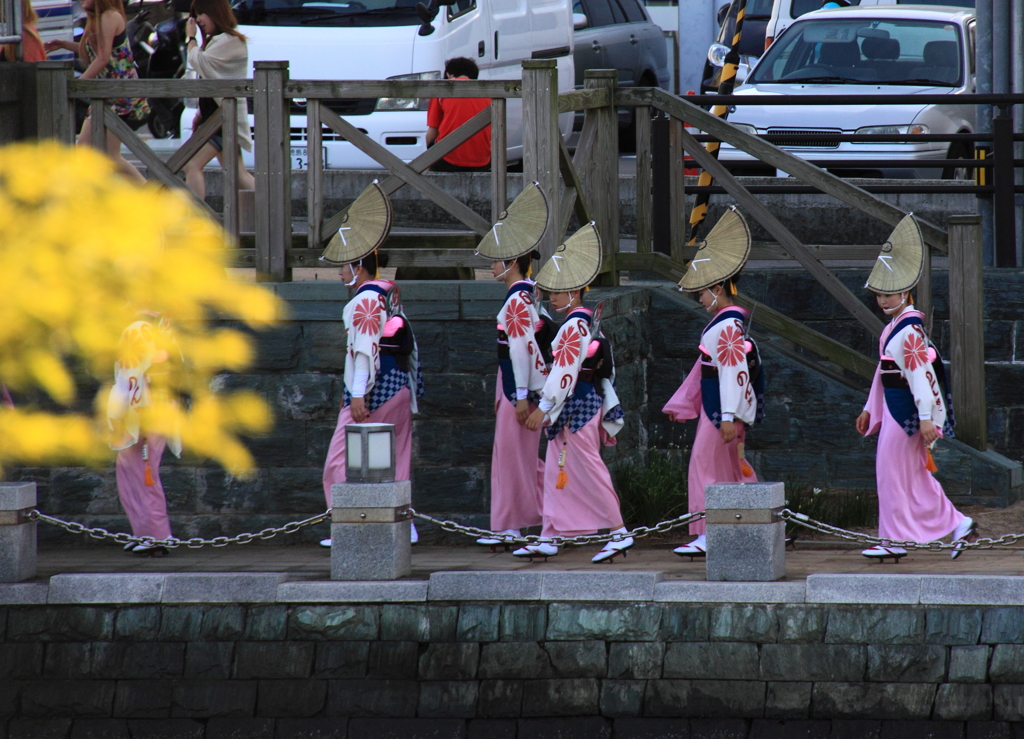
column 579, row 21
column 426, row 14
column 723, row 13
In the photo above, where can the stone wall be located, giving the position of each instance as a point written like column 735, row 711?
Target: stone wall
column 506, row 669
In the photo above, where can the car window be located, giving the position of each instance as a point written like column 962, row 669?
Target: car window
column 950, row 3
column 631, row 9
column 599, row 13
column 459, row 7
column 865, row 50
column 759, row 8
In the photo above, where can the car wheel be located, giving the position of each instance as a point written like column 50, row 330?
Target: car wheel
column 158, row 127
column 627, row 135
column 959, row 150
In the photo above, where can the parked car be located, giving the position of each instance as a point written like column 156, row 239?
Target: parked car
column 785, row 12
column 619, row 34
column 756, row 14
column 389, row 39
column 902, row 50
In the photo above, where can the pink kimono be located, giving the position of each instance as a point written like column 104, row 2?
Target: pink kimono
column 723, row 372
column 907, row 388
column 517, row 473
column 384, row 350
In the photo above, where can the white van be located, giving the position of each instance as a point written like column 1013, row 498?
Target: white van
column 386, row 39
column 785, row 12
column 55, row 24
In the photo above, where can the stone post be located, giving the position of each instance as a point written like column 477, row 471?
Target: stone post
column 17, row 533
column 746, row 539
column 370, row 529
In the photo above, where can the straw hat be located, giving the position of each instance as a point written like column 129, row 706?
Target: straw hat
column 518, row 229
column 575, row 264
column 365, row 227
column 721, row 255
column 898, row 267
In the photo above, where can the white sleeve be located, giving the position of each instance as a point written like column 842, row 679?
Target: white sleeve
column 910, row 352
column 729, row 356
column 518, row 319
column 362, row 376
column 570, row 349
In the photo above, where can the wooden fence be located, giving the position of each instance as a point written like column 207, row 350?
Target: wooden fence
column 584, row 184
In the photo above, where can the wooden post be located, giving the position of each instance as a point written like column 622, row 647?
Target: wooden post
column 924, row 289
column 678, row 226
column 540, row 142
column 99, row 125
column 314, row 172
column 967, row 337
column 54, row 112
column 499, row 159
column 643, row 179
column 273, row 171
column 602, row 178
column 229, row 131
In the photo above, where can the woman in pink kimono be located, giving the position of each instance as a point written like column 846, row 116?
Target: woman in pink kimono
column 144, row 358
column 579, row 409
column 517, row 472
column 725, row 388
column 382, row 374
column 909, row 407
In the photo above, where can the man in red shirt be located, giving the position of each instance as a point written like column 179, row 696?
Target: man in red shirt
column 444, row 115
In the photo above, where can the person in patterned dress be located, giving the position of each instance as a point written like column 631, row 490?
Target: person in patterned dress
column 524, row 328
column 105, row 49
column 909, row 407
column 382, row 377
column 578, row 410
column 724, row 390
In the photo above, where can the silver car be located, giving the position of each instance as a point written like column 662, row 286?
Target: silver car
column 902, row 50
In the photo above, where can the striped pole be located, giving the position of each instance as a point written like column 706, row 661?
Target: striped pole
column 727, row 81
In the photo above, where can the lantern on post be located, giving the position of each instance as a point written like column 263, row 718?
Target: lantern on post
column 370, row 452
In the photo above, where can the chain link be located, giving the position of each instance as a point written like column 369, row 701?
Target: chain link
column 638, row 533
column 802, row 519
column 196, row 542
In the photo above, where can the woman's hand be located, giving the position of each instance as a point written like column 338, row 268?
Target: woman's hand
column 928, row 431
column 197, row 119
column 190, row 27
column 358, row 410
column 536, row 420
column 522, row 411
column 60, row 43
column 727, row 430
column 863, row 422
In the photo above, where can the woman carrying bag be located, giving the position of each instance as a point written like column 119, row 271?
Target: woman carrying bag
column 222, row 56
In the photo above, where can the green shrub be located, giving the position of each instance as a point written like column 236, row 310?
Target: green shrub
column 653, row 490
column 847, row 510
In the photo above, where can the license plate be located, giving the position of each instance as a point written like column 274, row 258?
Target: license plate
column 300, row 157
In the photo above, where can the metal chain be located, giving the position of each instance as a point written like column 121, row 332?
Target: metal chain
column 638, row 533
column 803, row 519
column 173, row 542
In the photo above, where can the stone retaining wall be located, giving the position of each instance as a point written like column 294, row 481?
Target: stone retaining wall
column 178, row 663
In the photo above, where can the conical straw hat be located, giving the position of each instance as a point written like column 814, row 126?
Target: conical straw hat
column 575, row 264
column 721, row 255
column 518, row 229
column 898, row 267
column 365, row 227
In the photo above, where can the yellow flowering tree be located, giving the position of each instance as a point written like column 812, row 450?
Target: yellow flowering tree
column 84, row 255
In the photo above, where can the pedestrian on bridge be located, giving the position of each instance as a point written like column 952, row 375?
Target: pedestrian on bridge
column 382, row 370
column 725, row 388
column 579, row 409
column 909, row 407
column 222, row 55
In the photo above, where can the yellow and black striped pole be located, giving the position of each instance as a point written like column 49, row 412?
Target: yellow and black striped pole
column 727, row 81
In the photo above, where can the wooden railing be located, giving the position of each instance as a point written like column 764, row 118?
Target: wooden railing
column 583, row 184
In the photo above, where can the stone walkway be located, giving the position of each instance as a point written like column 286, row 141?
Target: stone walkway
column 309, row 561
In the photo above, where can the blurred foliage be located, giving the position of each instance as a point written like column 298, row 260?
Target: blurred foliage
column 85, row 253
column 652, row 490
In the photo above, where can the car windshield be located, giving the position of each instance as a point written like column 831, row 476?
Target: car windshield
column 313, row 13
column 857, row 51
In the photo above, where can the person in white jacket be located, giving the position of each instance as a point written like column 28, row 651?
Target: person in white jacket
column 223, row 55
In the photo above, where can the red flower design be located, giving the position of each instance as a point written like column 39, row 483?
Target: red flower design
column 915, row 353
column 517, row 319
column 568, row 347
column 730, row 347
column 366, row 319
